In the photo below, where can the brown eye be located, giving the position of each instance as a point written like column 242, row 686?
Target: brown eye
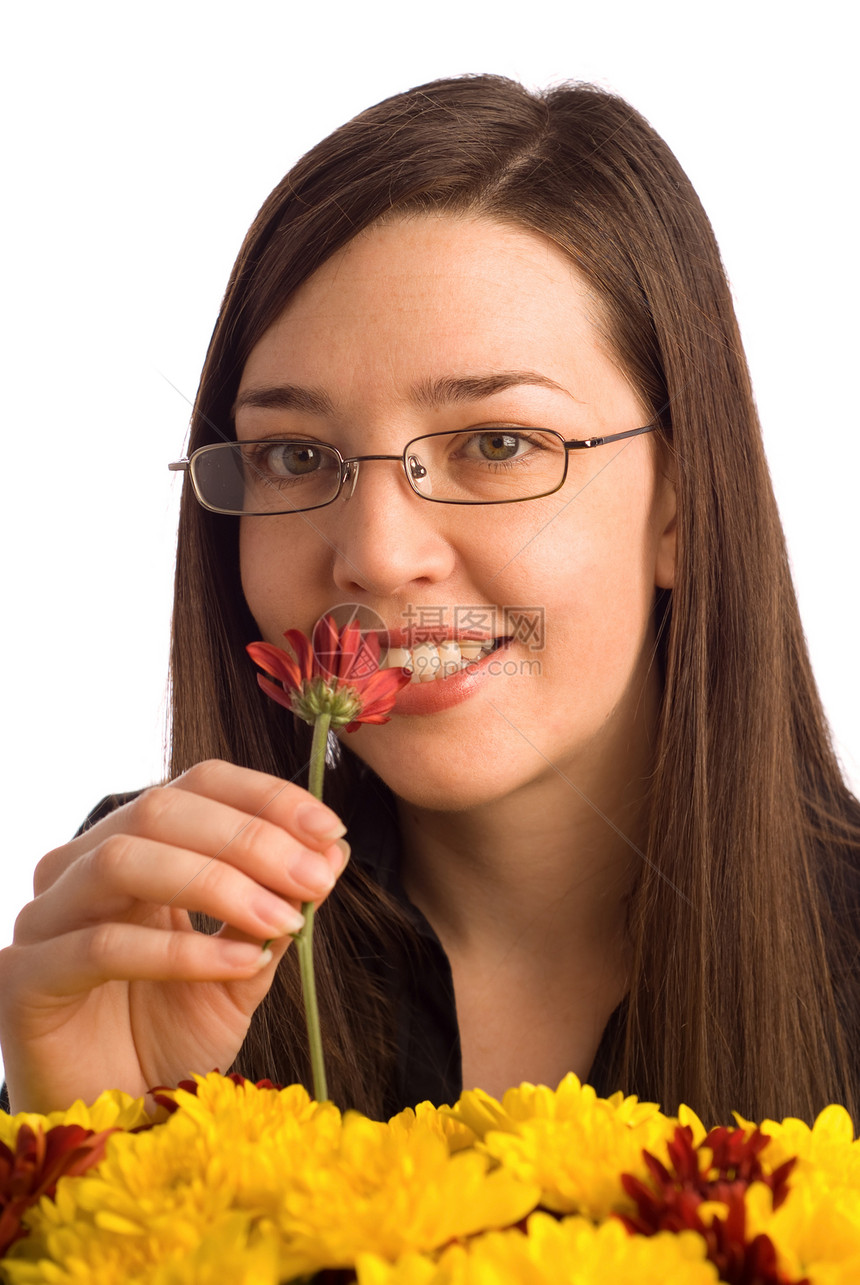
column 289, row 459
column 497, row 446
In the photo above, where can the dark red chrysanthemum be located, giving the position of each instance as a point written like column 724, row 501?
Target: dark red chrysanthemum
column 36, row 1165
column 673, row 1199
column 336, row 672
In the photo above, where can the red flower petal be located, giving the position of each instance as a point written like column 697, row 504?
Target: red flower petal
column 303, row 651
column 341, row 658
column 276, row 662
column 384, row 685
column 328, row 649
column 277, row 693
column 36, row 1165
column 674, row 1199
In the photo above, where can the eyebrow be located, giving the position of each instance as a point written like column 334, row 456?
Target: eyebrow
column 286, row 397
column 446, row 390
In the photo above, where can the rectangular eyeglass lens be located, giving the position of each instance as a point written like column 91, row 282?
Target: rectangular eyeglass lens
column 486, row 466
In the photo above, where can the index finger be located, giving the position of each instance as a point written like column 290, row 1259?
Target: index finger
column 256, row 794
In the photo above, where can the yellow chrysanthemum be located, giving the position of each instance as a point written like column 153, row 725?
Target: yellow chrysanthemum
column 233, row 1254
column 437, row 1120
column 572, row 1250
column 573, row 1144
column 572, row 1100
column 410, row 1269
column 688, row 1117
column 260, row 1186
column 220, row 1162
column 818, row 1224
column 829, row 1145
column 845, row 1273
column 111, row 1110
column 274, row 1168
column 390, row 1190
column 232, row 1250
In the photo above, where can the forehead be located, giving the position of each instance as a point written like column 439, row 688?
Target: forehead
column 432, row 296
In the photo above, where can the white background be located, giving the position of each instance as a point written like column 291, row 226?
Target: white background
column 141, row 141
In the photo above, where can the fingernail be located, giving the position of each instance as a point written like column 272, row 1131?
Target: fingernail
column 244, row 954
column 346, row 850
column 280, row 916
column 311, row 872
column 319, row 821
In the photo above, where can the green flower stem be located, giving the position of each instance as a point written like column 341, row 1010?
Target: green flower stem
column 304, row 938
column 318, row 749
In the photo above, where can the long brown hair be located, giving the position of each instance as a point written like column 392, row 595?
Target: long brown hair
column 743, row 992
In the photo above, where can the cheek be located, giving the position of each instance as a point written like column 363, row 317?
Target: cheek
column 276, row 583
column 594, row 579
column 253, row 583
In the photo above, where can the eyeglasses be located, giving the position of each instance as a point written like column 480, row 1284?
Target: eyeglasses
column 481, row 466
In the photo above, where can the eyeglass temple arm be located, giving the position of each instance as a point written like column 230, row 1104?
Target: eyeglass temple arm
column 179, row 466
column 584, row 444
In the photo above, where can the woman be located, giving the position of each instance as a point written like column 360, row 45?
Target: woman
column 638, row 860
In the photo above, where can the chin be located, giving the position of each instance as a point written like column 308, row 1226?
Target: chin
column 441, row 780
column 442, row 796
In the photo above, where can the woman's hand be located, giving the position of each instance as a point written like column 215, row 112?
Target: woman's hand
column 107, row 985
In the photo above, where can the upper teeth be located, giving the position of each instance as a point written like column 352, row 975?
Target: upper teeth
column 437, row 660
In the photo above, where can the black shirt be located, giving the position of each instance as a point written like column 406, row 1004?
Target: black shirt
column 429, row 1056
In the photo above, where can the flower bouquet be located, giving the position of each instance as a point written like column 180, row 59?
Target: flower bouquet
column 256, row 1185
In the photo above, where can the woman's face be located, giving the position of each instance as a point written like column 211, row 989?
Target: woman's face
column 438, row 324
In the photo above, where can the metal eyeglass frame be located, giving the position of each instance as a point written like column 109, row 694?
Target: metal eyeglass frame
column 349, row 467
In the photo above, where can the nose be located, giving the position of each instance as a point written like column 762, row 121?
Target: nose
column 384, row 537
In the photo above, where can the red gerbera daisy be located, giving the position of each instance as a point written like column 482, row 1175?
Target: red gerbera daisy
column 332, row 680
column 336, row 672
